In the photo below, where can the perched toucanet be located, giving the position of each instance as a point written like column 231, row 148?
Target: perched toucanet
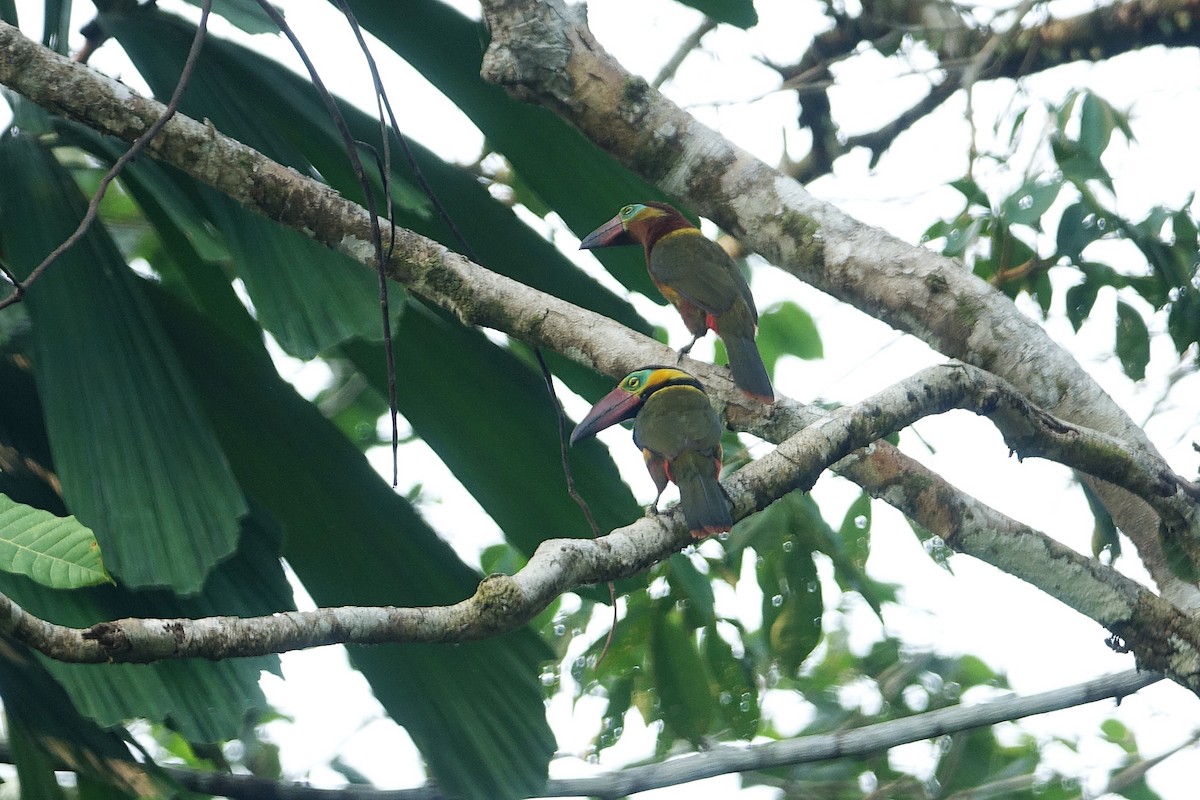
column 697, row 277
column 680, row 437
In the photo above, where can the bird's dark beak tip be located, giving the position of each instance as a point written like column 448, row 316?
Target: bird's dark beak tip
column 577, row 434
column 610, row 233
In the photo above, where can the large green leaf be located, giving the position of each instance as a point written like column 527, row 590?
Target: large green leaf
column 443, row 351
column 331, row 300
column 137, row 460
column 577, row 179
column 56, row 552
column 680, row 677
column 453, row 370
column 46, row 726
column 203, row 700
column 787, row 329
column 184, row 248
column 493, row 234
column 474, row 710
column 310, row 298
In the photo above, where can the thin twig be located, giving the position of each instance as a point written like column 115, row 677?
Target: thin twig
column 93, row 209
column 572, row 490
column 385, row 173
column 1137, row 771
column 360, row 174
column 857, row 743
column 685, row 48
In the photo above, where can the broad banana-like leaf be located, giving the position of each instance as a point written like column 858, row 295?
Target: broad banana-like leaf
column 137, row 460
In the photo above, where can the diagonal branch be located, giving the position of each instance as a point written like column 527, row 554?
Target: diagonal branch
column 1161, row 635
column 1163, row 638
column 543, row 52
column 1016, row 51
column 856, row 743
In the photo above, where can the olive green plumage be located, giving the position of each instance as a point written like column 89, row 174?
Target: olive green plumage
column 697, row 277
column 679, row 435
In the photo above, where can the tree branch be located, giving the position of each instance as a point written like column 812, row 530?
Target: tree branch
column 857, row 743
column 1163, row 638
column 1017, row 51
column 1159, row 634
column 543, row 52
column 1103, row 32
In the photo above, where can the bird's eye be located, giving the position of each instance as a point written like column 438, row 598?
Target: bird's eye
column 626, row 212
column 632, row 383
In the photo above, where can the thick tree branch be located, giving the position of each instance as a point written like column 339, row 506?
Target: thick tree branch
column 975, row 51
column 1161, row 636
column 1103, row 32
column 543, row 52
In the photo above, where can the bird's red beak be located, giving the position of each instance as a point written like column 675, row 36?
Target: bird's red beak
column 616, row 406
column 608, row 234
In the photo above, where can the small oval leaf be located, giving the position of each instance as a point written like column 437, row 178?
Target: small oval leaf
column 787, row 329
column 57, row 552
column 1027, row 205
column 1133, row 341
column 680, row 679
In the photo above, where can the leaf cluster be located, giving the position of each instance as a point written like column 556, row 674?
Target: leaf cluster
column 1001, row 238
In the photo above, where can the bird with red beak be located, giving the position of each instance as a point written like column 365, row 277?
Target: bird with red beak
column 697, row 277
column 679, row 434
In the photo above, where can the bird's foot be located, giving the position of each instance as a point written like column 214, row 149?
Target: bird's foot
column 687, row 348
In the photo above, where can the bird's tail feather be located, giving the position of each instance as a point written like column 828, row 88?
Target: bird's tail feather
column 704, row 504
column 749, row 372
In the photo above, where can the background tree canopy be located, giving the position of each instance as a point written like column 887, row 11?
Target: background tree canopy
column 1040, row 230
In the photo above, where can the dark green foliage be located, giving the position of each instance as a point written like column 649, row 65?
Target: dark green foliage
column 1133, row 341
column 787, row 329
column 245, row 14
column 989, row 235
column 449, row 420
column 47, row 731
column 684, row 695
column 447, row 48
column 736, row 12
column 138, row 461
column 352, row 541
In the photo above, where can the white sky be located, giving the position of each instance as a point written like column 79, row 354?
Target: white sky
column 1039, row 643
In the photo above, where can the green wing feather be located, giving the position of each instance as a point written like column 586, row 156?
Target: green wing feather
column 701, row 272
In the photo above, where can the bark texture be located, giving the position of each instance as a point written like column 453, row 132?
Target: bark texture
column 542, row 51
column 1162, row 635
